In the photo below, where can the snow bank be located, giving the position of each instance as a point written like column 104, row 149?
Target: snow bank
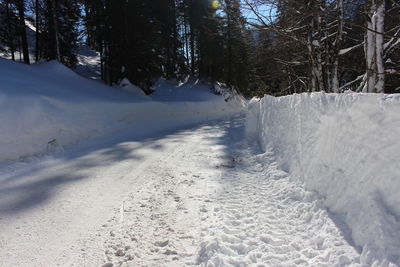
column 46, row 107
column 347, row 148
column 126, row 85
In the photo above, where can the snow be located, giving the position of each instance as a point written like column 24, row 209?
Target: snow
column 190, row 197
column 315, row 43
column 262, row 218
column 47, row 107
column 126, row 85
column 345, row 147
column 347, row 50
column 183, row 178
column 88, row 63
column 193, row 91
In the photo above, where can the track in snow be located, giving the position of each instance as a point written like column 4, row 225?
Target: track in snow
column 195, row 197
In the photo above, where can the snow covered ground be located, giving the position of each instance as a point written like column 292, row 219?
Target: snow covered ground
column 92, row 175
column 88, row 63
column 345, row 147
column 46, row 107
column 194, row 197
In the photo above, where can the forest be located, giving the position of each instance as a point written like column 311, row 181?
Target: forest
column 258, row 47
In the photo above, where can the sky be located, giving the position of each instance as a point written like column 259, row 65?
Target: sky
column 265, row 10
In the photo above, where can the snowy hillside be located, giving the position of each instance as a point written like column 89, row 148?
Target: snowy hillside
column 46, row 107
column 345, row 147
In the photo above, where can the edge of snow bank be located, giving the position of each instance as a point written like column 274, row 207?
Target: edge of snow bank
column 346, row 147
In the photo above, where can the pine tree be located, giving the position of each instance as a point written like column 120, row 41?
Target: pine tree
column 20, row 5
column 59, row 32
column 9, row 19
column 237, row 46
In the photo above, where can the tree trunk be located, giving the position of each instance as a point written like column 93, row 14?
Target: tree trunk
column 22, row 30
column 55, row 22
column 374, row 48
column 380, row 64
column 320, row 77
column 37, row 48
column 369, row 47
column 335, row 53
column 10, row 37
column 315, row 56
column 186, row 40
column 192, row 54
column 175, row 41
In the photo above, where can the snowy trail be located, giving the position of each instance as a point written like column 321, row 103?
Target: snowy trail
column 198, row 196
column 264, row 219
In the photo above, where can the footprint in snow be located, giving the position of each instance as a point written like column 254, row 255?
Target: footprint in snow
column 161, row 243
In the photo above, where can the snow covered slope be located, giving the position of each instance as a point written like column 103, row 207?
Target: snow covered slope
column 345, row 147
column 46, row 107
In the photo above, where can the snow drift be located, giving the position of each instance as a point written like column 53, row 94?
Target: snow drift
column 45, row 107
column 345, row 147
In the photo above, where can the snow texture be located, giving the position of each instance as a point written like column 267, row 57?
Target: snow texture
column 88, row 63
column 139, row 189
column 46, row 107
column 346, row 148
column 126, row 85
column 192, row 197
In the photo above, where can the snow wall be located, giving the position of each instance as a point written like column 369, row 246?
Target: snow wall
column 46, row 107
column 345, row 147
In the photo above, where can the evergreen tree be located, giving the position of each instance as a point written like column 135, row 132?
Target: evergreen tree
column 237, row 46
column 20, row 5
column 310, row 45
column 13, row 34
column 10, row 22
column 59, row 32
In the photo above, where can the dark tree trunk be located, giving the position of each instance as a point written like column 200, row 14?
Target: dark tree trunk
column 55, row 22
column 22, row 30
column 186, row 40
column 10, row 37
column 37, row 49
column 192, row 55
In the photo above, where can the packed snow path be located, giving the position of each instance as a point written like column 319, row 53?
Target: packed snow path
column 198, row 196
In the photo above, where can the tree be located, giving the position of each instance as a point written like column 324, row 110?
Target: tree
column 374, row 78
column 331, row 33
column 20, row 5
column 8, row 33
column 37, row 9
column 59, row 32
column 298, row 46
